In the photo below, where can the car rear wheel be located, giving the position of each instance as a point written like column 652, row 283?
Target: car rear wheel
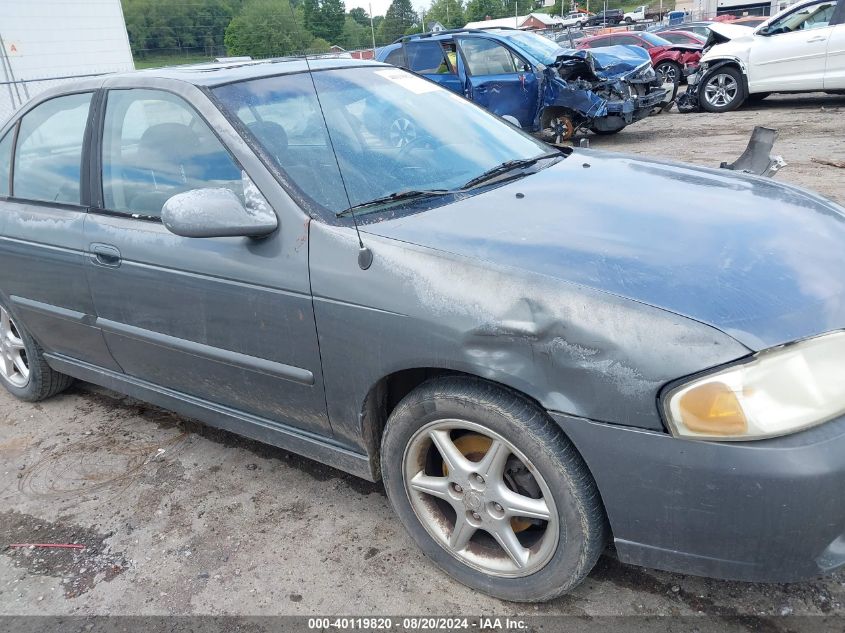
column 723, row 91
column 491, row 490
column 23, row 370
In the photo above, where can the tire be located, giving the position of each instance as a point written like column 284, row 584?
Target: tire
column 730, row 76
column 536, row 455
column 39, row 381
column 670, row 70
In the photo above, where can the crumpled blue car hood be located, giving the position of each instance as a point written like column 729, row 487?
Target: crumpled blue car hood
column 612, row 62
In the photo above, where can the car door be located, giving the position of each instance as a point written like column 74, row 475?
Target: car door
column 500, row 81
column 790, row 53
column 42, row 216
column 226, row 322
column 428, row 58
column 834, row 76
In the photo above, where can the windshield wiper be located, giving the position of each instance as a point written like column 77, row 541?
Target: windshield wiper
column 397, row 196
column 509, row 165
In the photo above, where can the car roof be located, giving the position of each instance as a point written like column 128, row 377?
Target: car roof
column 217, row 73
column 595, row 37
column 497, row 31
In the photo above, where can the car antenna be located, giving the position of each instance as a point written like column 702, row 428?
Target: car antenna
column 365, row 255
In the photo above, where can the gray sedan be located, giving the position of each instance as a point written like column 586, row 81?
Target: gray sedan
column 533, row 354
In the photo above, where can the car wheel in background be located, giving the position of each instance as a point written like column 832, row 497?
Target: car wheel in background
column 669, row 72
column 723, row 90
column 23, row 370
column 491, row 490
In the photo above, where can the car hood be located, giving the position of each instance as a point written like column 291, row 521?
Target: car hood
column 610, row 62
column 728, row 40
column 759, row 260
column 727, row 31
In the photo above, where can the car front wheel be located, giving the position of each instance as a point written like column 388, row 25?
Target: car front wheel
column 669, row 72
column 23, row 370
column 723, row 91
column 491, row 490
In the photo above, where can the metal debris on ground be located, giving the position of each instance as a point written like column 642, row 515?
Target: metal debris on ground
column 757, row 158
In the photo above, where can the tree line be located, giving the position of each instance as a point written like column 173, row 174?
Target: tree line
column 266, row 28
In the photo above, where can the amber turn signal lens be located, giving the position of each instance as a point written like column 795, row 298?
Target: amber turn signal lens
column 712, row 409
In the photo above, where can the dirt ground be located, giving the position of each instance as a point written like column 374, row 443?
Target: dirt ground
column 809, row 127
column 177, row 518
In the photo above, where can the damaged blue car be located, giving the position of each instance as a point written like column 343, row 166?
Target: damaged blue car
column 532, row 81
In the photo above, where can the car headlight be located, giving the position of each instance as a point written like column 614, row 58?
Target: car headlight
column 778, row 391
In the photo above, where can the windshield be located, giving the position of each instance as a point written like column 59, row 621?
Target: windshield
column 391, row 132
column 535, row 45
column 655, row 40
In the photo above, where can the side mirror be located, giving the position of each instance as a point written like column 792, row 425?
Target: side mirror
column 216, row 212
column 766, row 30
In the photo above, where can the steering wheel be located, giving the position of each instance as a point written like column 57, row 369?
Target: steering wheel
column 415, row 143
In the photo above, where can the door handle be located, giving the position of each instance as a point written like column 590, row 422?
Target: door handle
column 817, row 38
column 480, row 90
column 105, row 255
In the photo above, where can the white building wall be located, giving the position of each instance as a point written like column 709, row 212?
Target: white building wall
column 44, row 41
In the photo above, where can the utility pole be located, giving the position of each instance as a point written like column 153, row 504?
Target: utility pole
column 516, row 14
column 373, row 29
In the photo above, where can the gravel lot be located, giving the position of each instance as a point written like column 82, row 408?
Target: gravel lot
column 181, row 519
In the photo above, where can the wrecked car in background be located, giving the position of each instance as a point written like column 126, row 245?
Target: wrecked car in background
column 532, row 81
column 798, row 50
column 670, row 60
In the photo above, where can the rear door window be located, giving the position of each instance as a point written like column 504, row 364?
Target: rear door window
column 629, row 40
column 426, row 58
column 395, row 57
column 48, row 159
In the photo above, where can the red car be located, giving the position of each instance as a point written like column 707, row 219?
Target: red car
column 667, row 58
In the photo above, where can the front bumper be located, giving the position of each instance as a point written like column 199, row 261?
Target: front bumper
column 638, row 107
column 768, row 511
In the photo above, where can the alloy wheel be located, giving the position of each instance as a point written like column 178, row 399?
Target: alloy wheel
column 668, row 73
column 14, row 366
column 721, row 90
column 480, row 498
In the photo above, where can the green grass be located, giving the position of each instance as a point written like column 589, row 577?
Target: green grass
column 156, row 61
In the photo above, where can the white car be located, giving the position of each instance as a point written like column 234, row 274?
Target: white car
column 574, row 19
column 801, row 49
